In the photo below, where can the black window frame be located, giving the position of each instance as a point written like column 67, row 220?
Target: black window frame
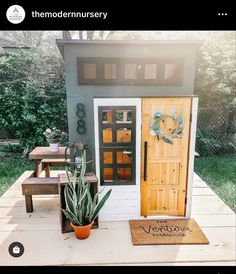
column 120, row 70
column 115, row 146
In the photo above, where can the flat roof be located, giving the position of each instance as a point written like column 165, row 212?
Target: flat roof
column 125, row 42
column 61, row 42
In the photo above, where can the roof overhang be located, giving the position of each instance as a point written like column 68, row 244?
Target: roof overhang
column 62, row 42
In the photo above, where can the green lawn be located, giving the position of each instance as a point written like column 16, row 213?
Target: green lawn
column 220, row 174
column 10, row 169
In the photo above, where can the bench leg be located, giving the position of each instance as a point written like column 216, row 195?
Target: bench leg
column 46, row 168
column 28, row 203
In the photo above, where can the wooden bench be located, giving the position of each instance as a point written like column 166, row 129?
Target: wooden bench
column 47, row 163
column 38, row 186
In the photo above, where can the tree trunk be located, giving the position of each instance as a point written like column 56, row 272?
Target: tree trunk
column 66, row 34
column 90, row 35
column 81, row 35
column 111, row 32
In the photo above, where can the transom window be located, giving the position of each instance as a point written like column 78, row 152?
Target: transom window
column 130, row 71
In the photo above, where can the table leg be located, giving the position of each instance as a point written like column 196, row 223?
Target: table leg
column 47, row 170
column 37, row 167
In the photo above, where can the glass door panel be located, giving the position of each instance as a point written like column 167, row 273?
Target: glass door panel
column 117, row 144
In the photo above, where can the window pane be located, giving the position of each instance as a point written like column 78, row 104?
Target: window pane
column 107, row 135
column 89, row 71
column 110, row 71
column 150, row 71
column 123, row 116
column 171, row 71
column 123, row 135
column 107, row 116
column 124, row 173
column 108, row 174
column 107, row 157
column 124, row 157
column 130, row 71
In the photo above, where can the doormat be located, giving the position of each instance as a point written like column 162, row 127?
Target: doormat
column 166, row 232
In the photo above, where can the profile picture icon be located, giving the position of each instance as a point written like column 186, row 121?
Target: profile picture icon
column 15, row 14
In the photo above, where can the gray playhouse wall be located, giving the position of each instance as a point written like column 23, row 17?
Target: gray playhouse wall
column 71, row 49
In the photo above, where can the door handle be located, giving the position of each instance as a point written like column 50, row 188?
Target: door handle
column 145, row 161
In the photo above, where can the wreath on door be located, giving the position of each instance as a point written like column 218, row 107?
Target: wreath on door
column 176, row 132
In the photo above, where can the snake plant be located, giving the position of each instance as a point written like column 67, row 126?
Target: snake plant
column 81, row 207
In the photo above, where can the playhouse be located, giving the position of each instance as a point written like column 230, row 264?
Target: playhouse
column 132, row 102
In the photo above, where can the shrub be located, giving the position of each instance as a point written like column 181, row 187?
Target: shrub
column 32, row 95
column 208, row 144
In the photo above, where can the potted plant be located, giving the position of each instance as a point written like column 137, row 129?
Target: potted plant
column 54, row 137
column 81, row 208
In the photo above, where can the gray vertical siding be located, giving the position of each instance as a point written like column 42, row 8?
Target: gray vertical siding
column 85, row 94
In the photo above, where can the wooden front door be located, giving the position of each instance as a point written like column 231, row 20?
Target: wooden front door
column 164, row 166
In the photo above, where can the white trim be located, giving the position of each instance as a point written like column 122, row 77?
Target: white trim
column 96, row 135
column 135, row 188
column 193, row 130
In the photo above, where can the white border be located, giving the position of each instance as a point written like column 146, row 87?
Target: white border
column 192, row 141
column 121, row 102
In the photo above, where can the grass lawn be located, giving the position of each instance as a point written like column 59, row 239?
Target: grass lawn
column 220, row 174
column 10, row 169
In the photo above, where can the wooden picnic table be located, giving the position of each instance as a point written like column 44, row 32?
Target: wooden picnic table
column 40, row 153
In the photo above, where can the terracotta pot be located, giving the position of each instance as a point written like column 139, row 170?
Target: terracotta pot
column 82, row 232
column 54, row 147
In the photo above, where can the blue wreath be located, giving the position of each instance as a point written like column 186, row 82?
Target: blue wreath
column 176, row 133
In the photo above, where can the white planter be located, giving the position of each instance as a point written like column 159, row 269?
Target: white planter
column 54, row 147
